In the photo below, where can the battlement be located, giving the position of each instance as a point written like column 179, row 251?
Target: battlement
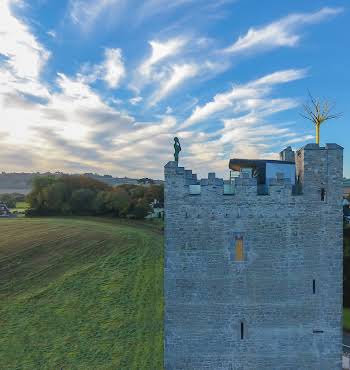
column 180, row 181
column 310, row 172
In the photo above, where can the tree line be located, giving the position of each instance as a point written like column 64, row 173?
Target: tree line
column 11, row 199
column 82, row 195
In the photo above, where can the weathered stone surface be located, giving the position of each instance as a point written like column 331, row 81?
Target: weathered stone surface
column 289, row 241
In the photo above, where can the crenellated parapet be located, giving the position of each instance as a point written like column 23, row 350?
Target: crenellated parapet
column 180, row 181
column 313, row 173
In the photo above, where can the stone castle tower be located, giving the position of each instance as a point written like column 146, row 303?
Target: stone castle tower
column 253, row 265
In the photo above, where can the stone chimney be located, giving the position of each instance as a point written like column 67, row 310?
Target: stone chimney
column 287, row 155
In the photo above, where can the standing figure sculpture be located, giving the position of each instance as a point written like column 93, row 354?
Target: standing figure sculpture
column 177, row 148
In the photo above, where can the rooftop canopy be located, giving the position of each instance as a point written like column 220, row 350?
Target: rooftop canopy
column 236, row 164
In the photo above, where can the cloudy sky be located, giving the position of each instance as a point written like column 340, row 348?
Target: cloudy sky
column 104, row 85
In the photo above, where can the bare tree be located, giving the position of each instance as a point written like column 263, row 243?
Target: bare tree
column 318, row 111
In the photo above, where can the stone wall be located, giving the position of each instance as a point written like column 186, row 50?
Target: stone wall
column 292, row 245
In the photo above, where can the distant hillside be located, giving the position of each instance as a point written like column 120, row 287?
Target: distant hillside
column 16, row 182
column 115, row 181
column 21, row 182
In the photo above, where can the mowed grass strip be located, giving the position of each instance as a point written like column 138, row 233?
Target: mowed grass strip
column 80, row 294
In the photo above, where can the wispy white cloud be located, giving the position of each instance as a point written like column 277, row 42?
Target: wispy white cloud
column 283, row 32
column 299, row 139
column 164, row 69
column 136, row 100
column 161, row 51
column 111, row 70
column 52, row 33
column 242, row 93
column 85, row 13
column 251, row 140
column 280, row 77
column 114, row 67
column 177, row 75
column 204, row 10
column 174, row 61
column 151, row 8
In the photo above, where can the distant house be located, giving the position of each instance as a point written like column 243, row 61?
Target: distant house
column 157, row 210
column 4, row 211
column 145, row 181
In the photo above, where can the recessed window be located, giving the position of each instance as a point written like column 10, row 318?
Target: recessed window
column 314, row 286
column 229, row 189
column 323, row 194
column 242, row 330
column 195, row 189
column 239, row 249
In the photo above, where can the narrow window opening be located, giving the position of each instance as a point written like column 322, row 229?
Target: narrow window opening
column 242, row 330
column 195, row 189
column 186, row 215
column 314, row 286
column 239, row 255
column 323, row 194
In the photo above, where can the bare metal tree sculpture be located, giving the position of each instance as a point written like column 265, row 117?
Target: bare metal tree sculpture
column 318, row 111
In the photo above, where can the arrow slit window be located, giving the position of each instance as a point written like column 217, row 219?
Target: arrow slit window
column 242, row 330
column 239, row 249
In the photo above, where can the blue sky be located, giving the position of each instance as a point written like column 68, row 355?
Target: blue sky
column 104, row 85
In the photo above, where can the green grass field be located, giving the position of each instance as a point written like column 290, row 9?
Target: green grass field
column 80, row 294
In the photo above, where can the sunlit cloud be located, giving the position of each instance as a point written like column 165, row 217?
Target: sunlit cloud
column 242, row 94
column 283, row 32
column 159, row 52
column 118, row 112
column 177, row 75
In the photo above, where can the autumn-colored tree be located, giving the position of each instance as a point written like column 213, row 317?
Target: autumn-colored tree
column 140, row 208
column 81, row 195
column 117, row 202
column 155, row 192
